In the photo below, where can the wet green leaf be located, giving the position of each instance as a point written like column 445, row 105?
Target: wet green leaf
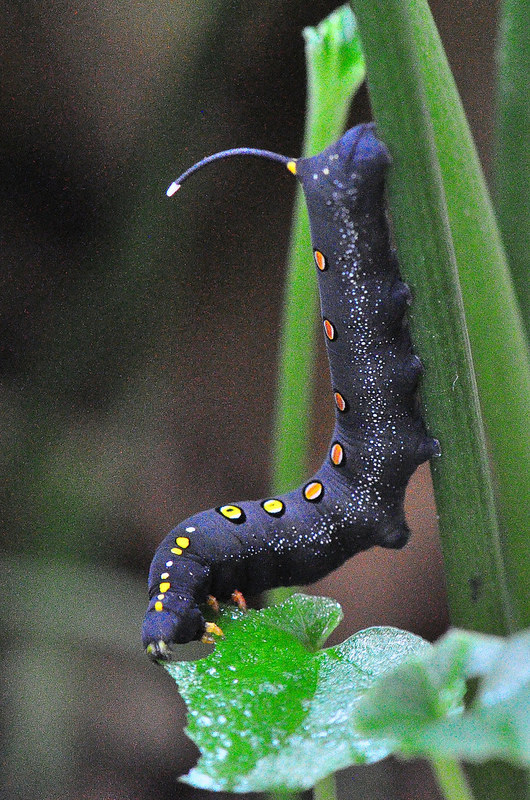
column 415, row 709
column 268, row 710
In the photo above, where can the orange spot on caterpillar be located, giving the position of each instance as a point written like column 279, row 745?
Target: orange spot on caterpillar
column 337, row 454
column 340, row 402
column 320, row 260
column 330, row 330
column 313, row 491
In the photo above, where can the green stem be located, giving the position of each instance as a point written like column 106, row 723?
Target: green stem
column 464, row 495
column 451, row 779
column 492, row 313
column 325, row 789
column 470, row 539
column 512, row 168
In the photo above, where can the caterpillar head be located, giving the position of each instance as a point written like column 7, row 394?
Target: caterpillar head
column 358, row 153
column 179, row 621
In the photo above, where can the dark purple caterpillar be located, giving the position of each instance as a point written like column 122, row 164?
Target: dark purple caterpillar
column 355, row 500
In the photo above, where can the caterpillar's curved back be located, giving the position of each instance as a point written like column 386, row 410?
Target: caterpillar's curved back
column 355, row 500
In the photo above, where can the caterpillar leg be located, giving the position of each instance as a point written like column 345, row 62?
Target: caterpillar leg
column 239, row 600
column 213, row 603
column 210, row 631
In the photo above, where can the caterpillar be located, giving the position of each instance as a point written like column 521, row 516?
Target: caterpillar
column 355, row 500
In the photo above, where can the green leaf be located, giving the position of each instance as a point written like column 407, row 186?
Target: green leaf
column 335, row 70
column 512, row 167
column 270, row 711
column 416, row 707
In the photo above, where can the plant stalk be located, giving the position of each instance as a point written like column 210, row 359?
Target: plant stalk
column 496, row 333
column 451, row 779
column 468, row 524
column 464, row 494
column 512, row 167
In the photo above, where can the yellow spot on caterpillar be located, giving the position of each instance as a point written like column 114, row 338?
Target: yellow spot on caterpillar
column 273, row 506
column 164, row 575
column 176, row 550
column 231, row 512
column 165, row 586
column 182, row 541
column 313, row 491
column 291, row 166
column 320, row 260
column 159, row 606
column 337, row 454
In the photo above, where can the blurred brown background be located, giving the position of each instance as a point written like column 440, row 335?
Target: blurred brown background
column 138, row 355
